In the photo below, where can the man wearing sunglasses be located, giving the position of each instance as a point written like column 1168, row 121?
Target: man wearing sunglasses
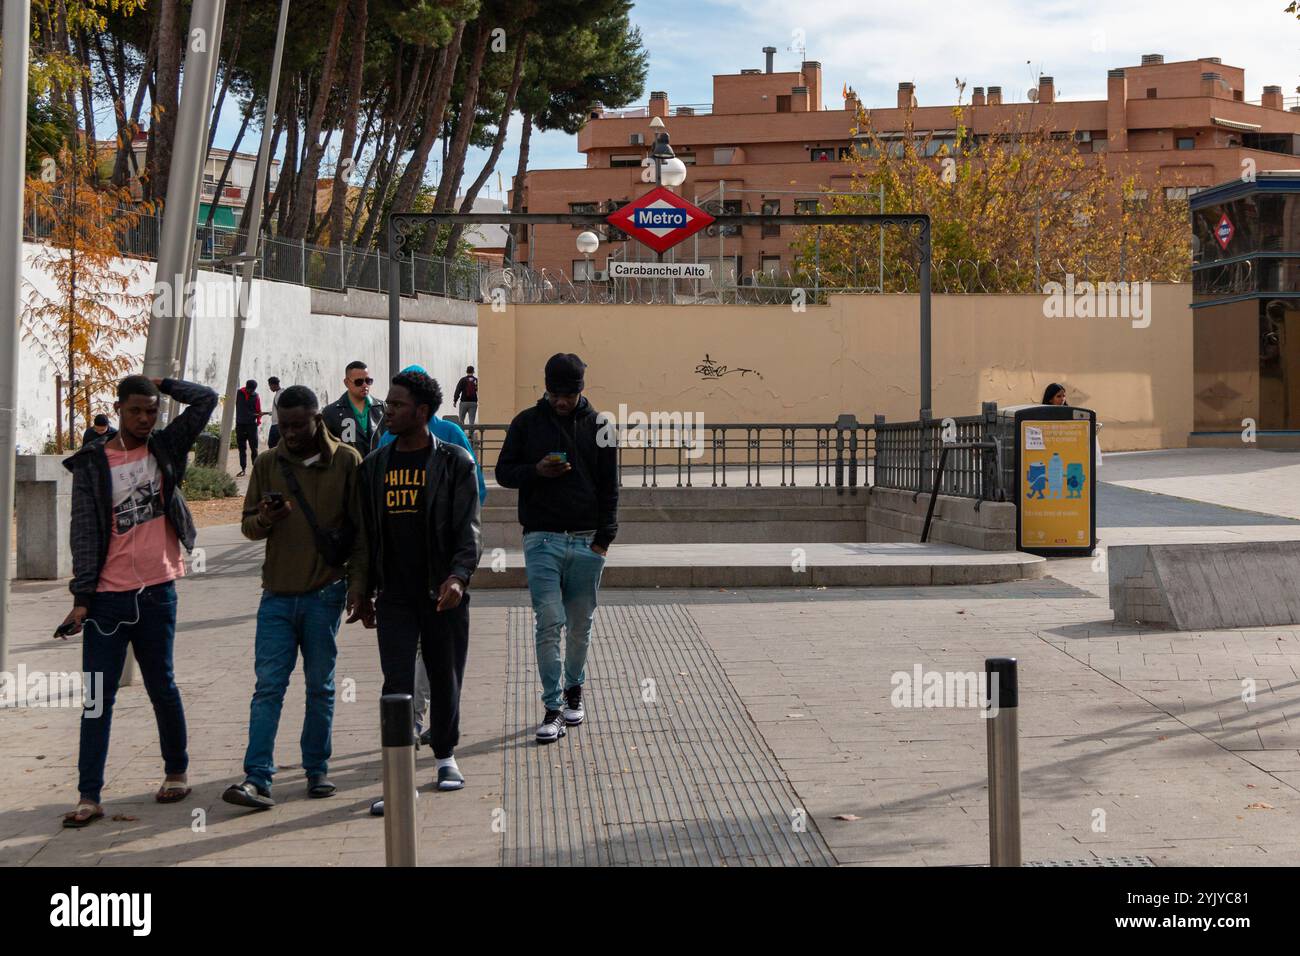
column 356, row 419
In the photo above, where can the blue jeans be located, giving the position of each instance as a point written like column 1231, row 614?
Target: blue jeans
column 286, row 622
column 563, row 578
column 147, row 622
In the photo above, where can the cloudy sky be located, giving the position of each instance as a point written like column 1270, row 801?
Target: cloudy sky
column 872, row 45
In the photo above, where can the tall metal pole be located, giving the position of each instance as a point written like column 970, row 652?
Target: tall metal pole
column 13, row 163
column 926, row 250
column 203, row 43
column 248, row 260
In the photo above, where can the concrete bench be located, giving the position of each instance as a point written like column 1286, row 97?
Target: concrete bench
column 43, row 503
column 1202, row 587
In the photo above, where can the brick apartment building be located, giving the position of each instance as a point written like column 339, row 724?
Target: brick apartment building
column 766, row 143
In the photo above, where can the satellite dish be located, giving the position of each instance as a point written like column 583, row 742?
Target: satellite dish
column 1032, row 94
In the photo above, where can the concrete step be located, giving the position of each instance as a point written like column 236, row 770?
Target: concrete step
column 805, row 564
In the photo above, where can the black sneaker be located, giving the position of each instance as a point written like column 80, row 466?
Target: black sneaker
column 572, row 712
column 551, row 728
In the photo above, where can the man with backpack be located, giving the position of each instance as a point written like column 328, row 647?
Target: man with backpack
column 466, row 397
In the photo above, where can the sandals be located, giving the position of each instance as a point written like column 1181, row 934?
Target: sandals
column 172, row 791
column 319, row 786
column 84, row 815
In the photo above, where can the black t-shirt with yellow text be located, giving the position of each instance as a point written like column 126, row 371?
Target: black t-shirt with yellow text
column 406, row 546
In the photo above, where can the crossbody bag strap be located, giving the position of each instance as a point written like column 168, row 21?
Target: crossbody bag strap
column 291, row 480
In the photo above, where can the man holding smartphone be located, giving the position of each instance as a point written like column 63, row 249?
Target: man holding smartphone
column 567, row 476
column 299, row 502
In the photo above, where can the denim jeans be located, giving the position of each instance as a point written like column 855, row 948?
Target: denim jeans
column 563, row 578
column 147, row 622
column 285, row 623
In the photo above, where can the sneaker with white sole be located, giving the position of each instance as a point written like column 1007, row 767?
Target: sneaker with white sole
column 572, row 711
column 551, row 728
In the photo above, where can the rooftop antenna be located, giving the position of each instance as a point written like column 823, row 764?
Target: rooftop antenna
column 798, row 44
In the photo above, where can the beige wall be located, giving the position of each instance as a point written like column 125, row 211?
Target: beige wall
column 857, row 354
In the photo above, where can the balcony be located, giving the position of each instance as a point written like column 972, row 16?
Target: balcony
column 234, row 194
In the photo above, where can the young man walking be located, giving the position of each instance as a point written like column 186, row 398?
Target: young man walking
column 356, row 419
column 99, row 429
column 273, row 438
column 299, row 502
column 248, row 415
column 567, row 478
column 419, row 507
column 442, row 430
column 466, row 397
column 129, row 522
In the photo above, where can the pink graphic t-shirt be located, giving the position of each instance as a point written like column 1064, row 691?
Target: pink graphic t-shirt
column 143, row 549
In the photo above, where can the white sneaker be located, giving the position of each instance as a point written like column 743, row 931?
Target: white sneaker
column 551, row 728
column 572, row 711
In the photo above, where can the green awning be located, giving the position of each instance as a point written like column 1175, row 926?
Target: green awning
column 225, row 216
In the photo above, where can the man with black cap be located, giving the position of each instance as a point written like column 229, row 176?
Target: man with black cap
column 566, row 469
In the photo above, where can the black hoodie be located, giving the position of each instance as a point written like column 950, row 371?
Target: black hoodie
column 582, row 499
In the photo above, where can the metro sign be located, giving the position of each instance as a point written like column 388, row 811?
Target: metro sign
column 1223, row 232
column 660, row 219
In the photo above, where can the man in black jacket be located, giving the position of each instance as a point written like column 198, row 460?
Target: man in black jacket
column 418, row 545
column 129, row 523
column 356, row 419
column 248, row 415
column 565, row 465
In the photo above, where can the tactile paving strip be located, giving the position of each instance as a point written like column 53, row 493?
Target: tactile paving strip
column 667, row 769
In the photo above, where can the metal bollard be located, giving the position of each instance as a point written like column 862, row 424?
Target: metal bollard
column 397, row 731
column 1003, row 697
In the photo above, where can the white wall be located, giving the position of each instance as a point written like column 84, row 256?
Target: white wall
column 283, row 338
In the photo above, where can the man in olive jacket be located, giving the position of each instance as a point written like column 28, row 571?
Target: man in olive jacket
column 308, row 479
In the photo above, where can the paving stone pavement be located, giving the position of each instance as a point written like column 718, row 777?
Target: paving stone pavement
column 1133, row 741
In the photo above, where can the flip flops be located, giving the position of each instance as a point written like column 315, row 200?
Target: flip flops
column 84, row 815
column 172, row 791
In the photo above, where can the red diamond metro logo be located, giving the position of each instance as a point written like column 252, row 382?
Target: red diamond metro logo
column 660, row 219
column 1223, row 232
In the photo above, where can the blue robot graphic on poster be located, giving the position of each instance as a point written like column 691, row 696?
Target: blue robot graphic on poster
column 1036, row 480
column 1074, row 479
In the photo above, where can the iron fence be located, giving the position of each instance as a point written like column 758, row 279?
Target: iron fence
column 744, row 454
column 907, row 455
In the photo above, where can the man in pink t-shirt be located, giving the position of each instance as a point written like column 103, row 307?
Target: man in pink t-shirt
column 129, row 521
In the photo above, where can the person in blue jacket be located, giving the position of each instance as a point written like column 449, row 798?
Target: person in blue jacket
column 444, row 430
column 449, row 432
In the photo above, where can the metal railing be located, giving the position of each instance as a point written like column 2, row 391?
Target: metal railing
column 745, row 454
column 907, row 455
column 299, row 262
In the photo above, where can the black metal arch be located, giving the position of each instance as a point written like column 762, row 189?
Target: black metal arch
column 402, row 226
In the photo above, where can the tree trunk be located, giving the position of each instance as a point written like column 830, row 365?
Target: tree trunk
column 498, row 143
column 304, row 198
column 445, row 199
column 128, row 158
column 226, row 75
column 162, row 131
column 513, row 237
column 433, row 120
column 225, row 169
column 343, row 170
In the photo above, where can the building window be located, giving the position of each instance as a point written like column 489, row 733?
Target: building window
column 772, row 266
column 722, row 155
column 1151, row 92
column 771, row 207
column 1186, row 142
column 807, row 207
column 621, row 161
column 688, row 159
column 821, row 155
column 783, row 103
column 590, row 208
column 613, row 233
column 732, row 207
column 583, row 270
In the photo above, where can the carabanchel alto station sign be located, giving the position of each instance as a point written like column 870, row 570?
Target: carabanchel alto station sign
column 659, row 270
